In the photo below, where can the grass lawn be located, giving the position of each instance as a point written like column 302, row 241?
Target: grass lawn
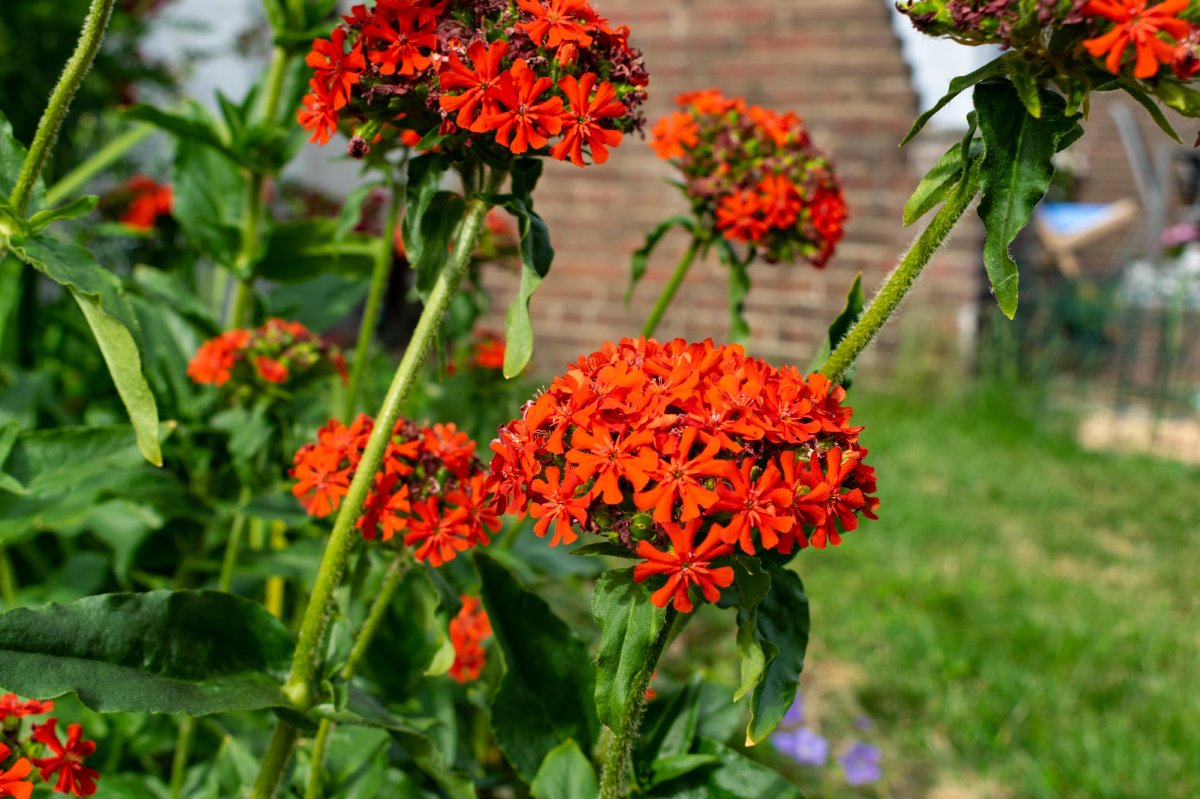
column 1021, row 622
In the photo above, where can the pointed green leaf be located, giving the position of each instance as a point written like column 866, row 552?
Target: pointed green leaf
column 1155, row 112
column 429, row 759
column 629, row 626
column 545, row 695
column 525, row 174
column 1024, row 76
column 782, row 629
column 637, row 263
column 424, row 177
column 208, row 200
column 675, row 729
column 939, row 181
column 566, row 773
column 193, row 652
column 1183, row 99
column 668, row 768
column 1017, row 169
column 442, row 216
column 957, row 87
column 72, row 210
column 752, row 586
column 198, row 128
column 729, row 776
column 113, row 322
column 605, row 548
column 350, row 213
column 739, row 289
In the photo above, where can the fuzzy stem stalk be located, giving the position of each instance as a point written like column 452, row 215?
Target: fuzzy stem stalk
column 60, row 100
column 183, row 751
column 889, row 297
column 620, row 748
column 274, row 762
column 395, row 574
column 672, row 286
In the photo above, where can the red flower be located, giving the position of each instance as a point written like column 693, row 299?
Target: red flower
column 828, row 213
column 1139, row 24
column 709, row 101
column 840, row 507
column 679, row 479
column 67, row 760
column 441, row 535
column 809, row 497
column 527, row 121
column 582, row 123
column 319, row 114
column 489, row 350
column 12, row 782
column 381, row 507
column 270, row 369
column 214, row 360
column 738, row 216
column 479, row 516
column 672, row 134
column 779, row 200
column 321, row 484
column 336, row 70
column 12, row 707
column 597, row 453
column 559, row 505
column 557, row 22
column 414, row 29
column 477, row 83
column 453, row 447
column 468, row 630
column 150, row 200
column 685, row 566
column 754, row 504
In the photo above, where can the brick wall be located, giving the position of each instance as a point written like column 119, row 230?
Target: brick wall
column 839, row 66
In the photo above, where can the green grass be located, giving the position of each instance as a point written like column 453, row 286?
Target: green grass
column 1023, row 612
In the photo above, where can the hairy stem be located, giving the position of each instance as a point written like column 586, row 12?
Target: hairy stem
column 101, row 160
column 396, row 571
column 275, row 761
column 305, row 663
column 183, row 751
column 620, row 748
column 60, row 100
column 672, row 286
column 889, row 297
column 379, row 278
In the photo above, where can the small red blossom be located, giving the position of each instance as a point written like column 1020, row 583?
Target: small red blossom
column 527, row 121
column 381, row 509
column 13, row 707
column 468, row 630
column 1135, row 21
column 441, row 536
column 336, row 70
column 148, row 200
column 489, row 352
column 756, row 505
column 213, row 362
column 741, row 216
column 320, row 483
column 559, row 505
column 581, row 123
column 597, row 453
column 14, row 782
column 66, row 760
column 319, row 114
column 279, row 351
column 563, row 21
column 779, row 200
column 672, row 133
column 477, row 83
column 685, row 566
column 270, row 369
column 404, row 35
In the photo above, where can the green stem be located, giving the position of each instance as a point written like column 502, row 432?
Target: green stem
column 889, row 297
column 379, row 278
column 316, row 617
column 60, row 101
column 100, row 160
column 279, row 751
column 8, row 585
column 231, row 545
column 672, row 286
column 252, row 207
column 620, row 748
column 183, row 750
column 396, row 571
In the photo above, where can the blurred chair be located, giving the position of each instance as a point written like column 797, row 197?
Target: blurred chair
column 1064, row 228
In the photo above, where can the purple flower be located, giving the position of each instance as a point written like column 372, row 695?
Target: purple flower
column 861, row 763
column 795, row 713
column 805, row 746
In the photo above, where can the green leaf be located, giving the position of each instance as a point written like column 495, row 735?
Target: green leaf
column 208, row 200
column 729, row 776
column 641, row 256
column 566, row 773
column 198, row 128
column 668, row 768
column 525, row 174
column 536, row 255
column 629, row 626
column 430, row 140
column 1017, row 169
column 939, row 181
column 299, row 251
column 1024, row 76
column 113, row 322
column 431, row 761
column 545, row 695
column 1152, row 108
column 676, row 728
column 782, row 630
column 957, row 87
column 605, row 548
column 424, row 178
column 194, row 652
column 72, row 210
column 168, row 289
column 52, row 461
column 12, row 158
column 841, row 326
column 751, row 585
column 351, row 211
column 739, row 289
column 1184, row 100
column 442, row 216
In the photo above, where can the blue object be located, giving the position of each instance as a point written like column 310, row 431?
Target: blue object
column 1065, row 219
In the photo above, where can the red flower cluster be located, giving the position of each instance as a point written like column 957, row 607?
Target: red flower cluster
column 488, row 350
column 467, row 632
column 520, row 73
column 756, row 173
column 277, row 352
column 64, row 767
column 139, row 202
column 651, row 444
column 430, row 486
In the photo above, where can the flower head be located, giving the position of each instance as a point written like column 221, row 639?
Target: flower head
column 468, row 630
column 66, row 760
column 582, row 121
column 277, row 353
column 805, row 746
column 525, row 119
column 144, row 200
column 685, row 566
column 861, row 764
column 1137, row 22
column 14, row 782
